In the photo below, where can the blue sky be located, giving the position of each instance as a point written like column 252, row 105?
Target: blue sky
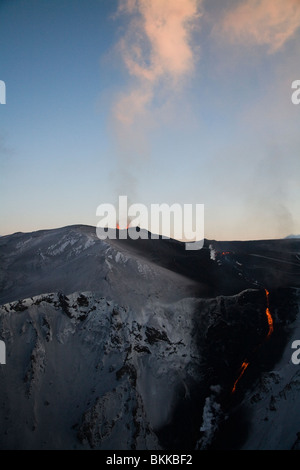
column 166, row 101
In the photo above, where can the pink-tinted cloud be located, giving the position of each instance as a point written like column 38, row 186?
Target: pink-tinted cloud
column 156, row 47
column 262, row 22
column 132, row 104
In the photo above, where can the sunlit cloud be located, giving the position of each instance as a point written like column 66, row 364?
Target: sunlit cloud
column 156, row 48
column 269, row 23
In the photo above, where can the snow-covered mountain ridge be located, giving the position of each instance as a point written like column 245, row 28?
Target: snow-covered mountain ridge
column 136, row 345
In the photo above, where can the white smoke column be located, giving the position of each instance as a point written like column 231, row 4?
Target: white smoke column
column 157, row 53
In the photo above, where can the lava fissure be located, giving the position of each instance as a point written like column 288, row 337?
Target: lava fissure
column 269, row 316
column 242, row 369
column 246, row 363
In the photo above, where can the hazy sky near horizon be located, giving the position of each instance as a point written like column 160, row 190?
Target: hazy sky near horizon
column 165, row 101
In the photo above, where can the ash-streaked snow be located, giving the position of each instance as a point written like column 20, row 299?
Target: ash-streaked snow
column 84, row 372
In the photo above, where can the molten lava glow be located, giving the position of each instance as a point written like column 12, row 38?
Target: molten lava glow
column 225, row 253
column 270, row 321
column 118, row 227
column 271, row 329
column 267, row 295
column 243, row 368
column 269, row 316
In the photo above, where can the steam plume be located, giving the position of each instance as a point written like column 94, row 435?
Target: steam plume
column 157, row 53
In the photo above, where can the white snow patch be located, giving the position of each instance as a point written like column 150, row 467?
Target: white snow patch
column 23, row 244
column 90, row 242
column 59, row 248
column 120, row 257
column 109, row 265
column 210, row 419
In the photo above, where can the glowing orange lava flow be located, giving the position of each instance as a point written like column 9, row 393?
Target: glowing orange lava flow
column 118, row 227
column 269, row 316
column 242, row 369
column 271, row 329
